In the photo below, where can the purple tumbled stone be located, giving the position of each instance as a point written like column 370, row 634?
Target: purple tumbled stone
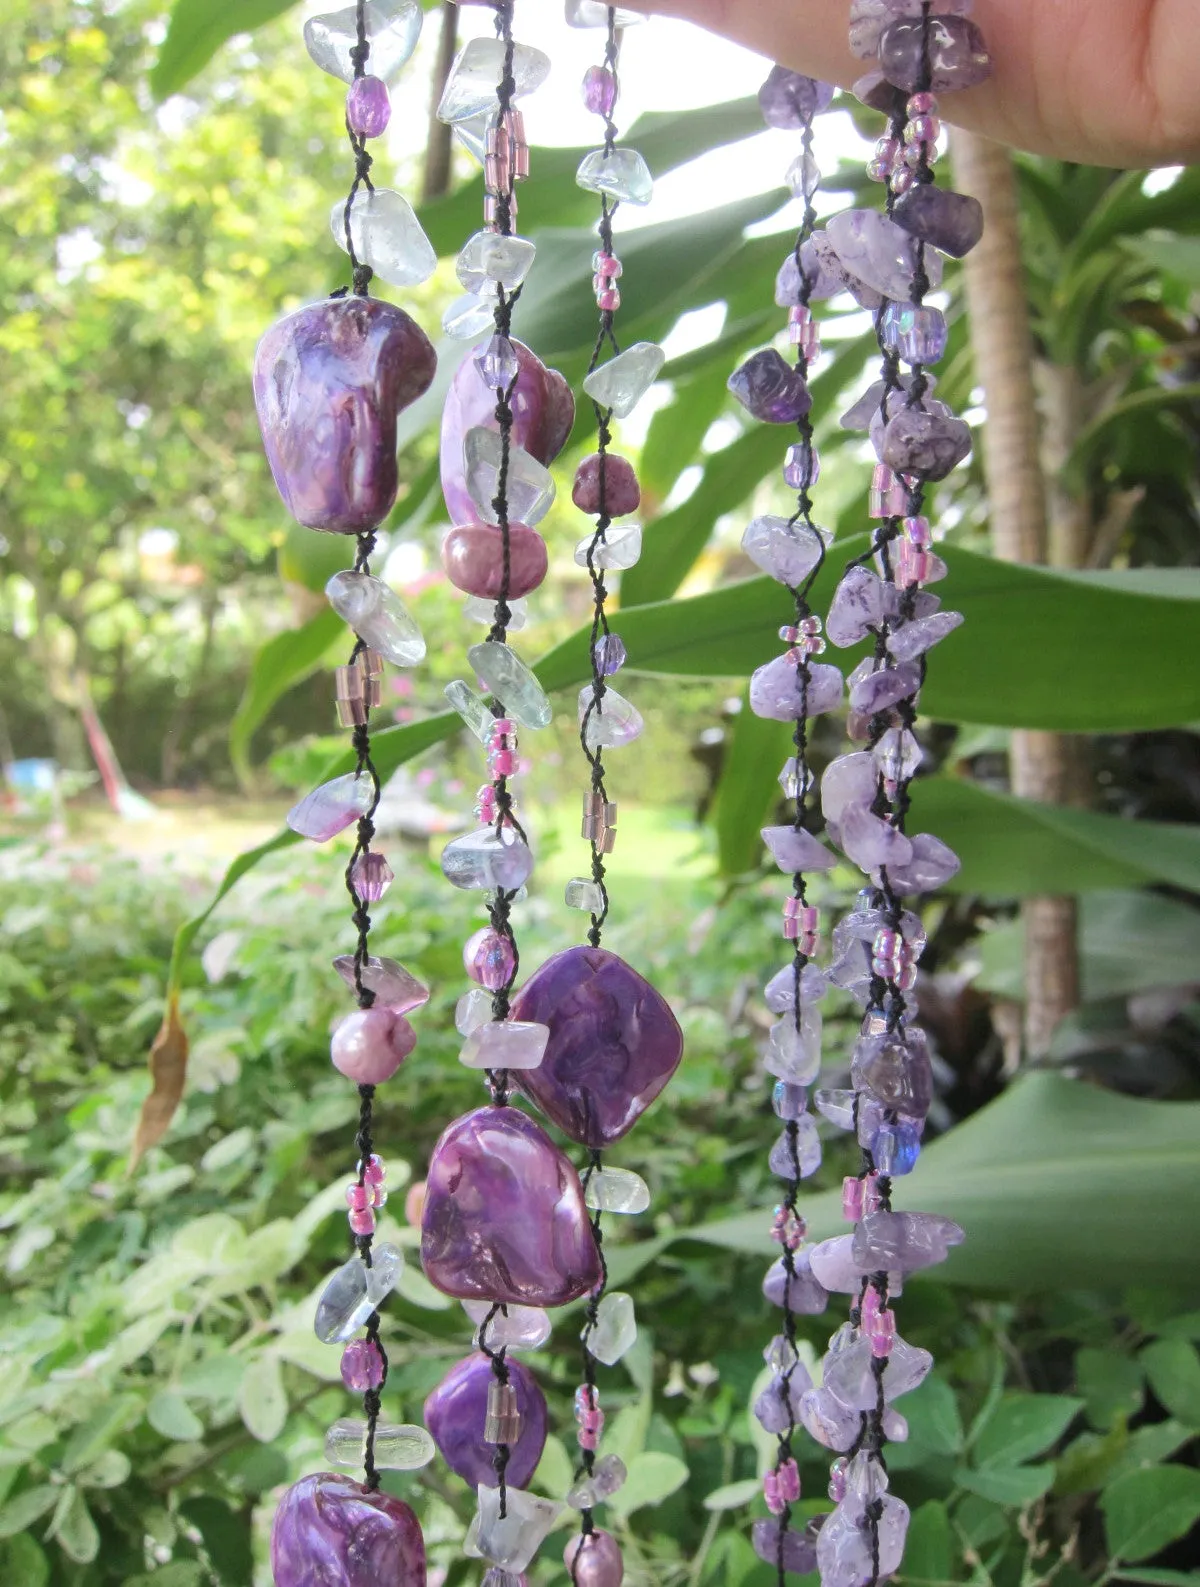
column 794, row 850
column 504, row 1217
column 778, row 1406
column 850, row 1553
column 776, row 693
column 878, row 252
column 775, row 1542
column 878, row 690
column 622, row 493
column 929, row 444
column 850, row 1377
column 849, row 780
column 329, row 382
column 932, row 865
column 614, row 1044
column 856, row 608
column 903, row 1240
column 868, row 18
column 873, row 90
column 827, row 1420
column 870, row 841
column 771, row 389
column 330, row 1531
column 457, row 1409
column 834, row 1267
column 957, row 54
column 779, row 993
column 950, row 221
column 593, row 1559
column 894, row 1068
column 789, row 99
column 801, row 1290
column 543, row 413
column 863, row 413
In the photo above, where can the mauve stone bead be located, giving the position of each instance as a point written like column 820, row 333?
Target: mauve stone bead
column 330, row 1531
column 473, row 557
column 950, row 221
column 788, row 99
column 614, row 1044
column 455, row 1413
column 958, row 55
column 504, row 1217
column 368, row 108
column 370, row 1045
column 329, row 382
column 622, row 493
column 929, row 444
column 873, row 90
column 771, row 389
column 543, row 413
column 594, row 1560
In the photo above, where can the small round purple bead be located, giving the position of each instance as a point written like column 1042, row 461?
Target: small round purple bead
column 368, row 108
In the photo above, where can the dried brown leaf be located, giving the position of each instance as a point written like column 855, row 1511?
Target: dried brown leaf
column 168, row 1071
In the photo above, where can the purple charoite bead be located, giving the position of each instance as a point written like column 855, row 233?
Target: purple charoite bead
column 950, row 221
column 330, row 1531
column 957, row 54
column 788, row 99
column 457, row 1409
column 775, row 1541
column 329, row 382
column 543, row 413
column 614, row 1044
column 504, row 1217
column 770, row 388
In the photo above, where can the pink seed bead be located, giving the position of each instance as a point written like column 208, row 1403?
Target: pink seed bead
column 922, row 129
column 799, row 314
column 375, row 1171
column 888, row 150
column 504, row 762
column 789, row 1481
column 871, row 1200
column 606, row 264
column 810, row 917
column 610, row 300
column 837, row 1480
column 919, row 532
column 359, row 1196
column 869, row 1307
column 488, row 958
column 772, row 1494
column 807, row 943
column 368, row 108
column 502, row 727
column 878, row 171
column 852, row 1199
column 902, row 180
column 362, row 1365
column 370, row 1045
column 362, row 1220
column 923, row 104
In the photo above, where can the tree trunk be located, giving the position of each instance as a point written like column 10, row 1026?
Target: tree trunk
column 439, row 142
column 1045, row 766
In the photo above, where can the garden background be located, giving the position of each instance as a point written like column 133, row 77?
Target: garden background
column 164, row 195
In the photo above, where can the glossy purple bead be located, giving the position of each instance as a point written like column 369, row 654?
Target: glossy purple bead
column 504, row 1217
column 788, row 99
column 455, row 1413
column 614, row 1044
column 330, row 1531
column 622, row 493
column 329, row 382
column 770, row 388
column 950, row 221
column 543, row 413
column 599, row 90
column 372, row 876
column 362, row 1365
column 368, row 108
column 958, row 55
column 594, row 1560
column 488, row 958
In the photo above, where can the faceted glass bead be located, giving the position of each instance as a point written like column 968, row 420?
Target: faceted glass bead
column 511, row 1541
column 473, row 1009
column 530, row 489
column 471, row 86
column 362, row 1365
column 505, row 1044
column 897, row 754
column 621, row 174
column 502, row 671
column 788, row 1099
column 488, row 860
column 488, row 258
column 608, row 1477
column 594, row 14
column 471, row 708
column 397, row 1447
column 609, row 654
column 615, row 1331
column 386, row 235
column 393, row 28
column 391, row 982
column 583, row 893
column 803, row 176
column 895, row 1148
column 619, row 547
column 808, row 1151
column 468, row 317
column 355, row 1291
column 332, row 807
column 360, row 1538
column 617, row 721
column 789, row 779
column 917, row 331
column 516, row 1327
column 498, row 363
column 616, row 1190
column 489, row 958
column 377, row 616
column 371, row 876
column 623, row 381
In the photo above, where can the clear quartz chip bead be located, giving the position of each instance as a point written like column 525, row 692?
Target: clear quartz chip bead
column 780, row 1355
column 378, row 616
column 472, row 133
column 795, row 1055
column 480, row 610
column 502, row 671
column 505, row 1044
column 332, row 807
column 474, row 1008
column 617, row 721
column 623, row 381
column 621, row 174
column 582, row 893
column 491, row 258
column 594, row 14
column 529, row 487
column 615, row 1329
column 616, row 1190
column 516, row 1327
column 386, row 235
column 398, row 1447
column 511, row 1539
column 471, row 708
column 355, row 1291
column 619, row 547
column 468, row 317
column 393, row 28
column 608, row 1477
column 470, row 89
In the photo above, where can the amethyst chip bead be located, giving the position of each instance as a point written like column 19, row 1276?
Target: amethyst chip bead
column 771, row 389
column 789, row 99
column 954, row 56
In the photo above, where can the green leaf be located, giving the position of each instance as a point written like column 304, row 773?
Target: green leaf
column 555, row 1470
column 1007, row 1485
column 1150, row 1446
column 23, row 1561
column 111, row 1470
column 226, row 1538
column 733, row 1495
column 748, row 788
column 652, row 1478
column 1023, row 1425
column 170, row 1414
column 1160, row 1578
column 933, row 1420
column 198, row 29
column 262, row 1399
column 1173, row 1369
column 278, row 666
column 1122, row 1175
column 929, row 1551
column 1111, row 1385
column 92, row 1437
column 73, row 1528
column 29, row 1506
column 1146, row 1510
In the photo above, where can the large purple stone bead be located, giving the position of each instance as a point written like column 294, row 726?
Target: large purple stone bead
column 330, row 1531
column 958, row 55
column 950, row 221
column 504, row 1217
column 614, row 1044
column 329, row 382
column 789, row 99
column 457, row 1409
column 543, row 413
column 770, row 388
column 930, row 444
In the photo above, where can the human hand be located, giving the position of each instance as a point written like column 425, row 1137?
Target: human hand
column 1104, row 82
